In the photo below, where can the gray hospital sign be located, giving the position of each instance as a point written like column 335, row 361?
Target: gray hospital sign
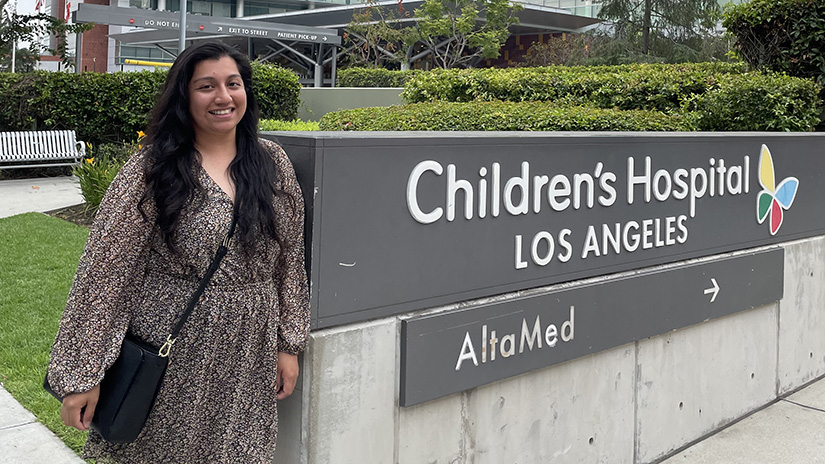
column 406, row 221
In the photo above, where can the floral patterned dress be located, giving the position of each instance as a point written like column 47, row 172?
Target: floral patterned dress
column 217, row 403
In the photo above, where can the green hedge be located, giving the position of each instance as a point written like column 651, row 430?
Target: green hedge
column 113, row 107
column 499, row 116
column 296, row 125
column 757, row 102
column 713, row 96
column 277, row 90
column 100, row 107
column 374, row 77
column 640, row 86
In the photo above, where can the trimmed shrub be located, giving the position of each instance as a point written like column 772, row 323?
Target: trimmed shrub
column 374, row 77
column 499, row 116
column 723, row 97
column 104, row 108
column 277, row 90
column 757, row 102
column 100, row 107
column 639, row 86
column 296, row 125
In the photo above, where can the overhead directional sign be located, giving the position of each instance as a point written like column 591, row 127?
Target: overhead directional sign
column 453, row 351
column 202, row 25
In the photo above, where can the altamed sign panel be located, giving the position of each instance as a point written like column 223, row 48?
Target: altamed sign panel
column 404, row 221
column 453, row 351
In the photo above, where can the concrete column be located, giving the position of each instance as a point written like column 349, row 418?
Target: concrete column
column 350, row 392
column 695, row 380
column 319, row 67
column 334, row 72
column 78, row 54
column 239, row 9
column 802, row 315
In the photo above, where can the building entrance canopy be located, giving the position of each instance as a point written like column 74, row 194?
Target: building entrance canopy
column 165, row 25
column 306, row 40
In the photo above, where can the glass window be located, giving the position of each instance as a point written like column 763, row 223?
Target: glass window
column 203, row 8
column 136, row 52
column 145, row 4
column 222, row 9
column 253, row 8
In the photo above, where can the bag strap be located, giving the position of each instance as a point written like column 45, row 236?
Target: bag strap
column 216, row 262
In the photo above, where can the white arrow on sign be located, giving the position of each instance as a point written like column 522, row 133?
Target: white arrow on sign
column 325, row 39
column 714, row 290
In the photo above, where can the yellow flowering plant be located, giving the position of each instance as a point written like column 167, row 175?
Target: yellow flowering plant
column 102, row 164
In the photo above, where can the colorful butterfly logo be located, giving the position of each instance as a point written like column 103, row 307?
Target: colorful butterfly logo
column 772, row 199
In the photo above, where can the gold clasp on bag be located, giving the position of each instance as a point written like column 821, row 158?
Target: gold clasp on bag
column 164, row 350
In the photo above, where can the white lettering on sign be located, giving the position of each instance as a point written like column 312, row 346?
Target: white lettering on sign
column 245, row 31
column 161, row 23
column 543, row 246
column 295, row 35
column 713, row 181
column 534, row 193
column 506, row 347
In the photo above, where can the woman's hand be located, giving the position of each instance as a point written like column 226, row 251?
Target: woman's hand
column 287, row 374
column 79, row 408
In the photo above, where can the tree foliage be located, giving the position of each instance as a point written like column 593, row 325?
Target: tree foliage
column 781, row 35
column 458, row 32
column 567, row 50
column 24, row 60
column 15, row 28
column 374, row 36
column 453, row 33
column 643, row 23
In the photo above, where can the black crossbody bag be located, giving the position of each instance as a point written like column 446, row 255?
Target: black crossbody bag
column 129, row 388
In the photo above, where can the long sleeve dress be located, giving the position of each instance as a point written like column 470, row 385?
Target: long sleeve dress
column 217, row 402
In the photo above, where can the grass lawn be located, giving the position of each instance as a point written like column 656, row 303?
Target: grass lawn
column 39, row 257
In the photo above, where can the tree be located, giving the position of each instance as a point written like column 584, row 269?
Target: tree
column 375, row 36
column 673, row 21
column 15, row 28
column 458, row 33
column 24, row 60
column 454, row 33
column 567, row 50
column 781, row 35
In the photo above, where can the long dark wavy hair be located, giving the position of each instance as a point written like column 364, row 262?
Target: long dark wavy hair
column 170, row 180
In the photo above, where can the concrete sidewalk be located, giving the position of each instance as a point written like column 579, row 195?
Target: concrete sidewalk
column 790, row 431
column 23, row 440
column 45, row 194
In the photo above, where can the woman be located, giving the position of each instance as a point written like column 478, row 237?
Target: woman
column 154, row 235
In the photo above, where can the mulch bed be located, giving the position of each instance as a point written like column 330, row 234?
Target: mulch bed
column 81, row 215
column 32, row 173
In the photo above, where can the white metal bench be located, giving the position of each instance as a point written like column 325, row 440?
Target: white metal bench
column 41, row 148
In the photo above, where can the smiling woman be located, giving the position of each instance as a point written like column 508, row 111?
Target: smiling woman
column 154, row 237
column 217, row 102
